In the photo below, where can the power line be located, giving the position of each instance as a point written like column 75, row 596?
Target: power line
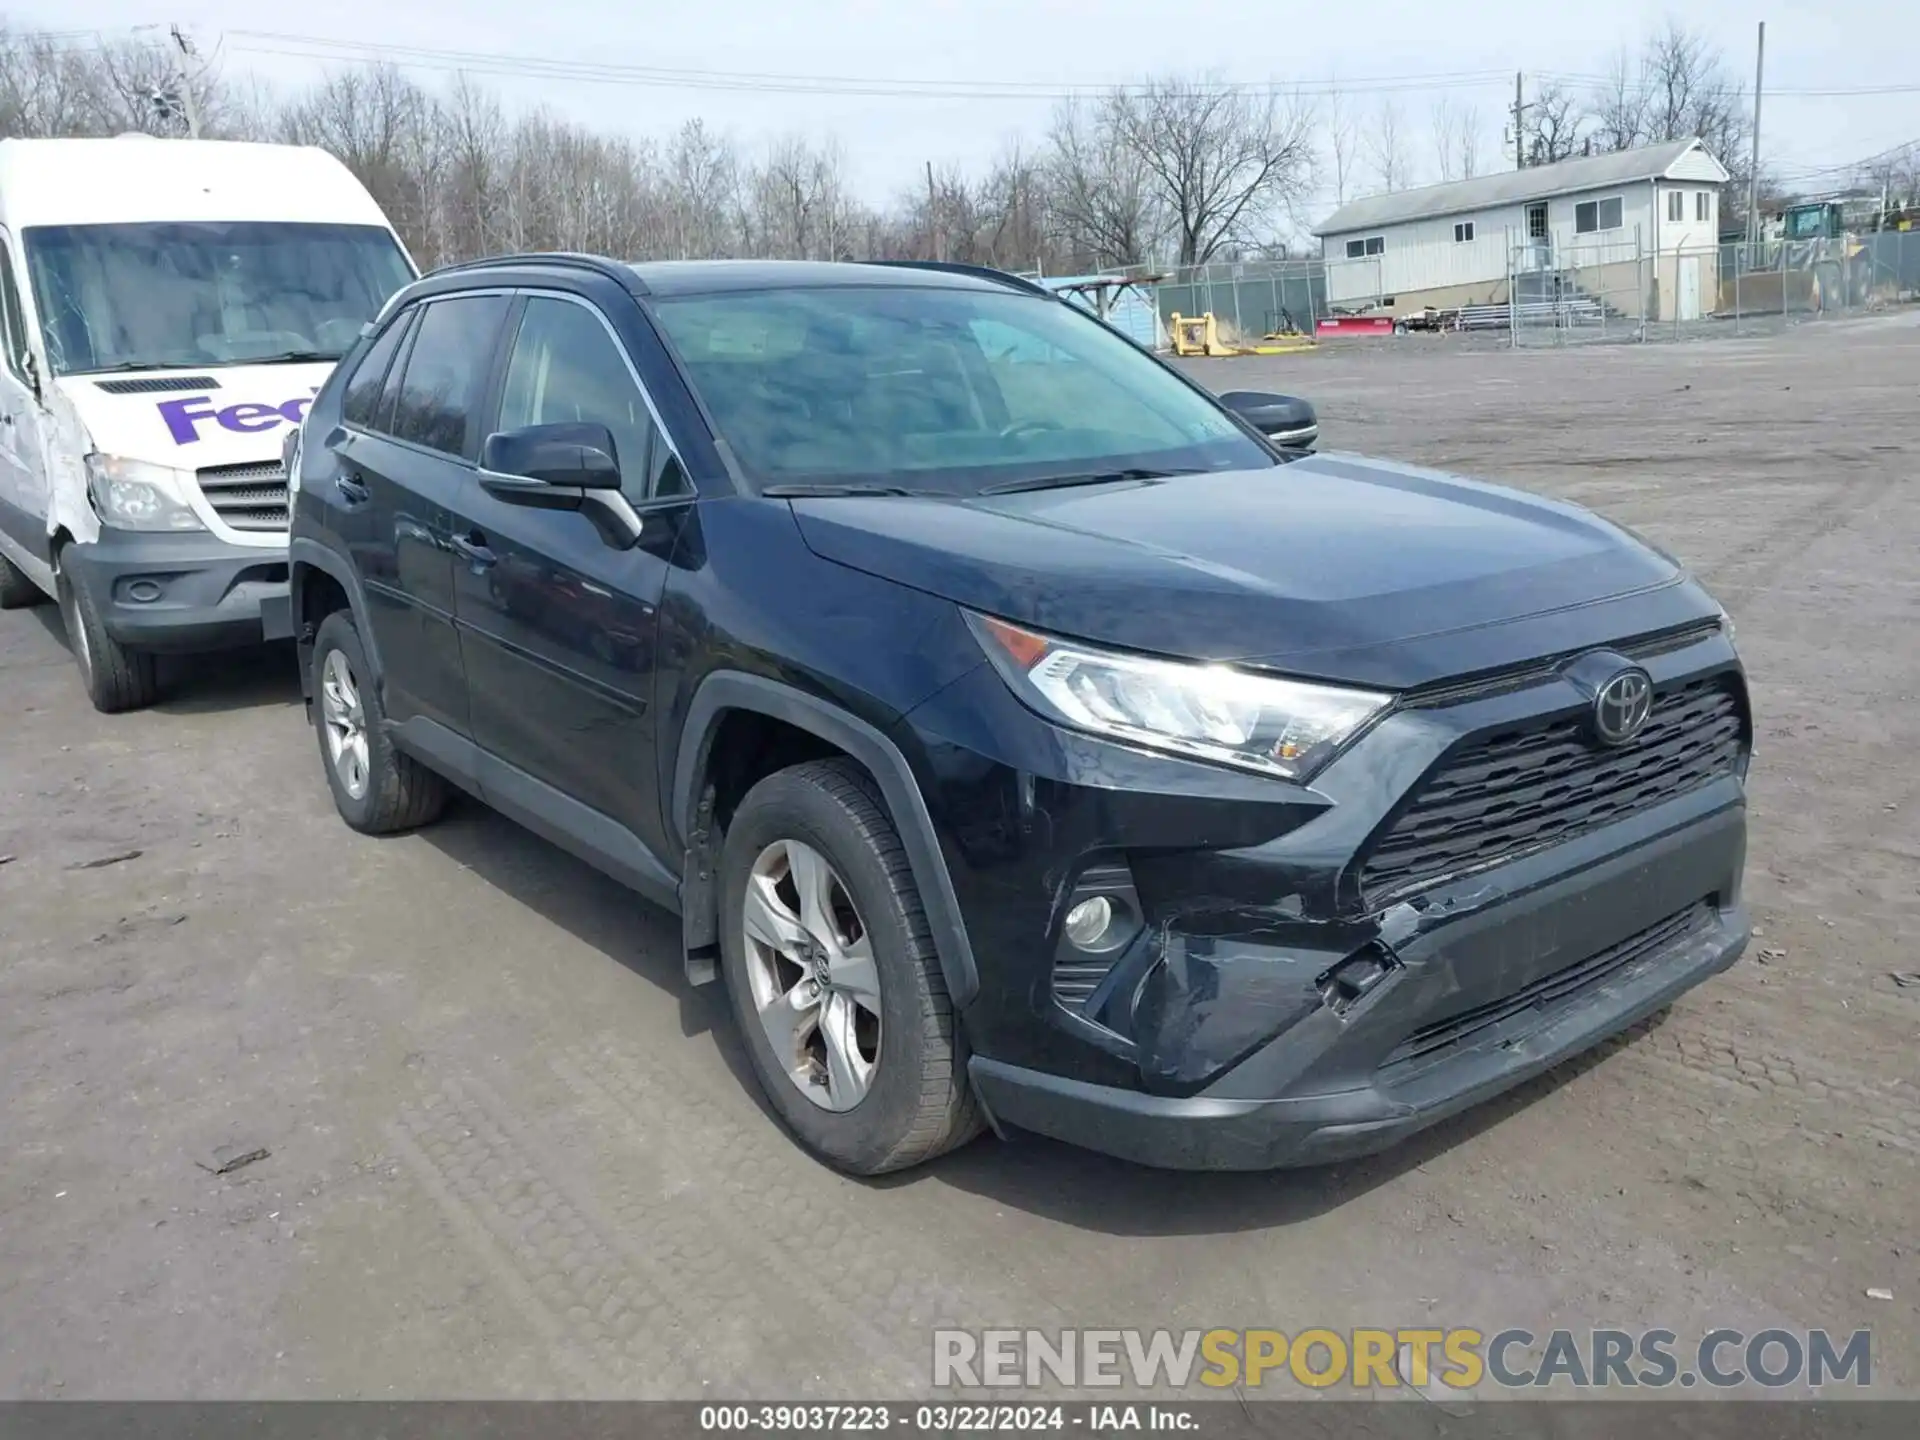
column 498, row 63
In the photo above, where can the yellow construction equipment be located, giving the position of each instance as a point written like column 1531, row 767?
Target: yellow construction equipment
column 1200, row 335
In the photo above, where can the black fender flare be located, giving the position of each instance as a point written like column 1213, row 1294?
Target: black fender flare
column 313, row 555
column 726, row 690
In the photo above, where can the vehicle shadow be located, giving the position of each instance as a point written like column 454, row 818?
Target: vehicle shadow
column 224, row 680
column 594, row 908
column 1094, row 1192
column 1028, row 1172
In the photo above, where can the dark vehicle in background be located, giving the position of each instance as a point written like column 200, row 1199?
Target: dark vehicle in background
column 1026, row 739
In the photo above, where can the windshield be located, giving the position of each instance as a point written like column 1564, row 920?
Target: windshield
column 938, row 390
column 130, row 297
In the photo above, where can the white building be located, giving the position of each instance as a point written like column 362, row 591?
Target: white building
column 1640, row 226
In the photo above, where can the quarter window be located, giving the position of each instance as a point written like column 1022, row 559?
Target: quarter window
column 15, row 321
column 565, row 366
column 1590, row 216
column 362, row 396
column 453, row 347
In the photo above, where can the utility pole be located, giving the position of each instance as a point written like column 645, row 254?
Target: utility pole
column 183, row 52
column 933, row 223
column 1519, row 125
column 1753, row 172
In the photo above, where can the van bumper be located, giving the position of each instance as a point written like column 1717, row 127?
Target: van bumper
column 184, row 592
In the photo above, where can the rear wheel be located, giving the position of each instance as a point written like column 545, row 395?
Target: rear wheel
column 832, row 974
column 16, row 590
column 376, row 789
column 117, row 678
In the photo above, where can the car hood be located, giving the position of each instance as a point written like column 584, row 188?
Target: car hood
column 1332, row 566
column 237, row 414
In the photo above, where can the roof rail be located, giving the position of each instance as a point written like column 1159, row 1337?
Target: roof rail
column 979, row 272
column 613, row 270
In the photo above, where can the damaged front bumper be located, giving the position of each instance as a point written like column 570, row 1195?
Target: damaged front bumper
column 1479, row 995
column 1278, row 998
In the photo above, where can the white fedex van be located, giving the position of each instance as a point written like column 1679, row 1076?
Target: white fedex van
column 169, row 308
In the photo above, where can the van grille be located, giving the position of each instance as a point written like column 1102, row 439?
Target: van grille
column 157, row 384
column 1524, row 789
column 248, row 497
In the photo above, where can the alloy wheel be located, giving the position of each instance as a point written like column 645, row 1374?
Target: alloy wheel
column 815, row 985
column 344, row 723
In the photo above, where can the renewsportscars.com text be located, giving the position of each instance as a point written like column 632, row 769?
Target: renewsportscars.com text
column 1380, row 1359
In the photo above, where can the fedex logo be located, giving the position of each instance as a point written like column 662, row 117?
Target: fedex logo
column 184, row 417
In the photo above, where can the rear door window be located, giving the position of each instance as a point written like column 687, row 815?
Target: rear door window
column 446, row 368
column 362, row 397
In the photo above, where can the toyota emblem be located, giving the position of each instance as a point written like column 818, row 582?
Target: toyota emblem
column 1621, row 708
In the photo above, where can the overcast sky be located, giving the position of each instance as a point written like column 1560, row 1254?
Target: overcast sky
column 1836, row 44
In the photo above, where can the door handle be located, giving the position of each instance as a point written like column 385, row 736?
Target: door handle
column 473, row 547
column 353, row 489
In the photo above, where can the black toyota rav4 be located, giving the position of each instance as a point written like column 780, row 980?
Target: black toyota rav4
column 1026, row 739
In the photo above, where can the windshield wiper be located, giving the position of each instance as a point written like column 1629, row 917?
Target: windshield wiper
column 832, row 491
column 121, row 367
column 286, row 357
column 1099, row 477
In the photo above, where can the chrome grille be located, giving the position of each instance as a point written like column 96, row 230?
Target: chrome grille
column 248, row 497
column 1523, row 789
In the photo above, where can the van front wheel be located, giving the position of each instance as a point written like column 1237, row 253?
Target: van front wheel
column 117, row 678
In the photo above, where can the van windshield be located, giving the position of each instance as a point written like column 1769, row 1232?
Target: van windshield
column 154, row 296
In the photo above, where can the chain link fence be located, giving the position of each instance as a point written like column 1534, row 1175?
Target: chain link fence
column 1565, row 295
column 1249, row 298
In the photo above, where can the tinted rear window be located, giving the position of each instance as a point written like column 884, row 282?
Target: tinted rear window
column 451, row 353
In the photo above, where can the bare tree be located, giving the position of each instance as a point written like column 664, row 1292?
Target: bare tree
column 1456, row 140
column 1224, row 161
column 1343, row 143
column 1619, row 107
column 702, row 184
column 1556, row 126
column 1103, row 192
column 1386, row 147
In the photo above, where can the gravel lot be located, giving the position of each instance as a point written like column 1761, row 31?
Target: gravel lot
column 512, row 1155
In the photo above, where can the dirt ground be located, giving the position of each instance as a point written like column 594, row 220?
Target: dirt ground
column 511, row 1155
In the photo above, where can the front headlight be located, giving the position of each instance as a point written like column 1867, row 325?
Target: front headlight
column 1278, row 727
column 136, row 495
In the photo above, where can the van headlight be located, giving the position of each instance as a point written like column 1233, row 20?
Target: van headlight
column 1286, row 728
column 137, row 495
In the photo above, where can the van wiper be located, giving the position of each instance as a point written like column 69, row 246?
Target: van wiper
column 287, row 357
column 831, row 491
column 1099, row 477
column 122, row 367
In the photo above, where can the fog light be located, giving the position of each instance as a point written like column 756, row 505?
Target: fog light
column 1087, row 922
column 145, row 592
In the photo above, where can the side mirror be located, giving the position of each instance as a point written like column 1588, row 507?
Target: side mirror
column 574, row 455
column 568, row 466
column 1286, row 420
column 31, row 369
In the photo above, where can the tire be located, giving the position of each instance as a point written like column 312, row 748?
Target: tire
column 16, row 590
column 376, row 789
column 117, row 679
column 916, row 1102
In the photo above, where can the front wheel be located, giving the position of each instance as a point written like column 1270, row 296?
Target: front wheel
column 376, row 789
column 832, row 975
column 116, row 678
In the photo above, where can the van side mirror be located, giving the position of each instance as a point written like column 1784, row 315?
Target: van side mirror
column 1286, row 420
column 30, row 368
